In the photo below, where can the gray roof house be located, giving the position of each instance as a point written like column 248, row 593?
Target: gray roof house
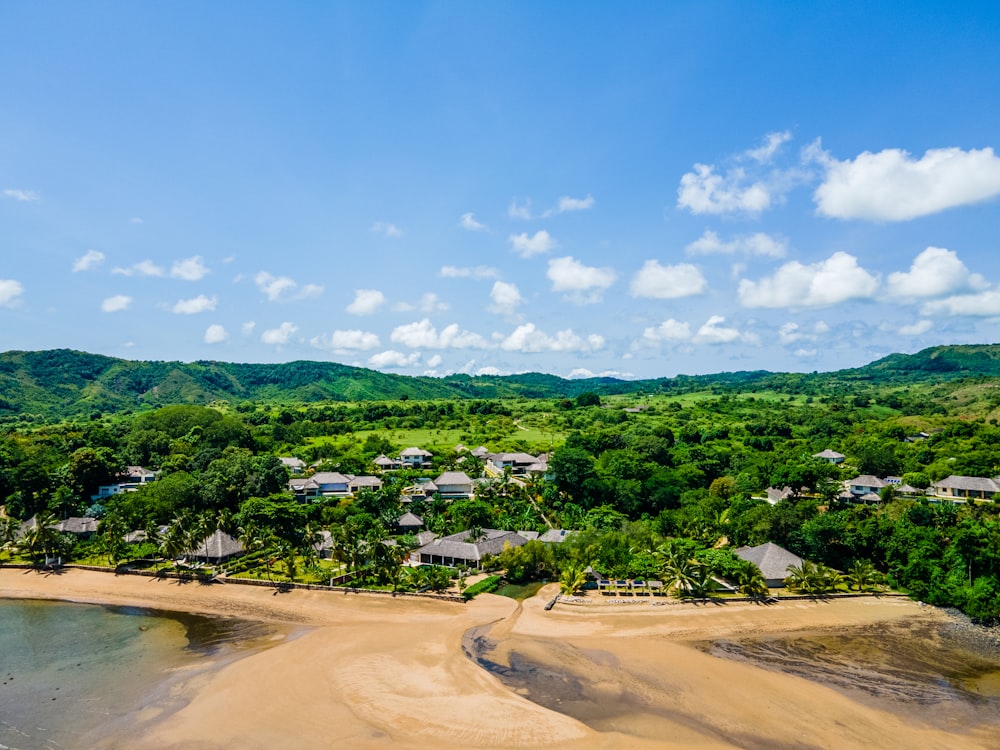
column 830, row 456
column 455, row 551
column 977, row 488
column 772, row 560
column 217, row 547
column 865, row 484
column 454, row 484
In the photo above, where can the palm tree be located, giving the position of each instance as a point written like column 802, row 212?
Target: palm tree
column 42, row 539
column 862, row 575
column 702, row 583
column 572, row 579
column 676, row 569
column 751, row 581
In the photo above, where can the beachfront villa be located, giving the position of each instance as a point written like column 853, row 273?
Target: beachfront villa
column 772, row 560
column 216, row 548
column 463, row 551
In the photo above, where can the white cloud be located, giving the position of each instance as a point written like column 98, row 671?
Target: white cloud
column 393, row 359
column 280, row 335
column 189, row 269
column 759, row 243
column 583, row 284
column 142, row 268
column 10, row 291
column 893, row 186
column 478, row 272
column 705, row 192
column 24, row 196
column 429, row 303
column 567, row 204
column 505, row 297
column 469, row 223
column 916, row 329
column 423, row 335
column 669, row 330
column 837, row 279
column 667, row 282
column 525, row 246
column 195, row 305
column 519, row 209
column 247, row 328
column 934, row 273
column 284, row 289
column 488, row 371
column 117, row 303
column 713, row 332
column 528, row 338
column 386, row 229
column 347, row 341
column 766, row 151
column 435, row 360
column 789, row 333
column 215, row 334
column 366, row 302
column 88, row 260
column 982, row 305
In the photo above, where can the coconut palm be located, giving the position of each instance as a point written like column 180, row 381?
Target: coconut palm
column 42, row 539
column 751, row 581
column 862, row 575
column 572, row 579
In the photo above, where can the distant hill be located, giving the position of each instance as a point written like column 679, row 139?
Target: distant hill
column 66, row 383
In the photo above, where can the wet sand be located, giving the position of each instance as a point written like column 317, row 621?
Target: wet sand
column 375, row 672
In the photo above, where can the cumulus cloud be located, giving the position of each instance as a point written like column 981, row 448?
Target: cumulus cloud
column 526, row 246
column 477, row 273
column 10, row 292
column 766, row 151
column 193, row 306
column 117, row 303
column 837, row 279
column 566, row 204
column 215, row 334
column 393, row 359
column 366, row 302
column 579, row 373
column 669, row 330
column 142, row 268
column 469, row 223
column 519, row 209
column 583, row 284
column 985, row 304
column 23, row 196
column 759, row 243
column 423, row 335
column 893, row 186
column 189, row 269
column 247, row 328
column 713, row 332
column 284, row 289
column 386, row 229
column 280, row 335
column 667, row 282
column 347, row 341
column 505, row 297
column 934, row 273
column 704, row 191
column 916, row 329
column 88, row 260
column 430, row 303
column 528, row 338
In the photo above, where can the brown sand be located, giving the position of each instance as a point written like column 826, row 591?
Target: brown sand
column 374, row 672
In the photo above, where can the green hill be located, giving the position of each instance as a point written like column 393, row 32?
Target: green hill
column 67, row 383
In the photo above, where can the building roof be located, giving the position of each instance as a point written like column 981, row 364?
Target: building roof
column 409, row 519
column 329, row 477
column 555, row 536
column 515, row 458
column 383, row 460
column 774, row 495
column 292, row 462
column 772, row 560
column 453, row 477
column 866, row 480
column 975, row 484
column 456, row 546
column 830, row 454
column 365, row 481
column 218, row 544
column 480, row 452
column 77, row 525
column 414, row 452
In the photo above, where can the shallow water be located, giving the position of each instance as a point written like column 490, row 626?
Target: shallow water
column 71, row 673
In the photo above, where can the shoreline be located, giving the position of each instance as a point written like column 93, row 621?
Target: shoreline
column 378, row 672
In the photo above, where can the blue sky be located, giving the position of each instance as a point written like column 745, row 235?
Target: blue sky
column 639, row 189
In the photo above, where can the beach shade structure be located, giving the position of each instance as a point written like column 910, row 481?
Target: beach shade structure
column 216, row 548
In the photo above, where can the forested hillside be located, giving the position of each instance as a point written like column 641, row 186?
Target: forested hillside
column 64, row 383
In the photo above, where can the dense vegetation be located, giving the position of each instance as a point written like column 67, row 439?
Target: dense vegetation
column 663, row 479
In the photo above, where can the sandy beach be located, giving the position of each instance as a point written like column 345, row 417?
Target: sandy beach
column 373, row 672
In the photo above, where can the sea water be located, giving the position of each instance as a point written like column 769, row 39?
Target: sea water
column 71, row 674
